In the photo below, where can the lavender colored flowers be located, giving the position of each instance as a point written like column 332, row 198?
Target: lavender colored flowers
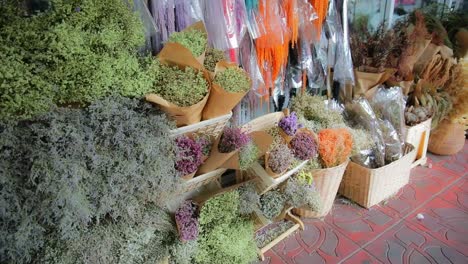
column 188, row 156
column 187, row 221
column 304, row 146
column 232, row 139
column 289, row 124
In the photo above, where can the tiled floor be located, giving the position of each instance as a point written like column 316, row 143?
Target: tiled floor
column 391, row 232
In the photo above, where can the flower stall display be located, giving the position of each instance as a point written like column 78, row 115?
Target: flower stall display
column 186, row 218
column 189, row 156
column 272, row 204
column 230, row 85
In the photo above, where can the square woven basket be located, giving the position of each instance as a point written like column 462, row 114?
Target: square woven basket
column 418, row 136
column 211, row 127
column 368, row 187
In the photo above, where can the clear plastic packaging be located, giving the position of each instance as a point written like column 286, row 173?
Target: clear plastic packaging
column 163, row 13
column 186, row 13
column 393, row 146
column 359, row 114
column 389, row 104
column 343, row 66
column 151, row 30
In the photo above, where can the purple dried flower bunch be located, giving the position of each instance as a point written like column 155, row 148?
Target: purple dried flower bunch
column 232, row 139
column 188, row 155
column 187, row 221
column 205, row 142
column 289, row 124
column 280, row 158
column 304, row 146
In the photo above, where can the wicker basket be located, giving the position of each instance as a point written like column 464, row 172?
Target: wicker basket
column 447, row 139
column 327, row 181
column 212, row 127
column 418, row 136
column 368, row 187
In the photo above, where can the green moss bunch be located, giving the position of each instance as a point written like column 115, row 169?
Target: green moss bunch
column 248, row 155
column 79, row 182
column 224, row 235
column 313, row 114
column 212, row 57
column 272, row 203
column 233, row 80
column 194, row 40
column 181, row 87
column 299, row 193
column 74, row 53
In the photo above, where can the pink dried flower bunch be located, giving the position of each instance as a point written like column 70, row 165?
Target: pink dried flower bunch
column 232, row 139
column 304, row 146
column 289, row 124
column 280, row 158
column 187, row 221
column 188, row 155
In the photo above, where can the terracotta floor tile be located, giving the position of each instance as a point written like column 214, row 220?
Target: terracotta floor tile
column 458, row 194
column 359, row 224
column 406, row 243
column 444, row 221
column 318, row 242
column 361, row 257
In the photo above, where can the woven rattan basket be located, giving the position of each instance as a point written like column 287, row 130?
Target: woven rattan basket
column 418, row 136
column 212, row 127
column 327, row 181
column 368, row 187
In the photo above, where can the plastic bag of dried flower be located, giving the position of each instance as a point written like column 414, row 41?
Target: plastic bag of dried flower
column 393, row 146
column 389, row 104
column 360, row 114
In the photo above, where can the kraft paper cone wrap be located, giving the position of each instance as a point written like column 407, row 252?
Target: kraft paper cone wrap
column 268, row 170
column 187, row 115
column 216, row 159
column 220, row 101
column 168, row 49
column 368, row 80
column 260, row 138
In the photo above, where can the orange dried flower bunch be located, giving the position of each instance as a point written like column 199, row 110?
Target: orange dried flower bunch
column 272, row 47
column 321, row 7
column 335, row 146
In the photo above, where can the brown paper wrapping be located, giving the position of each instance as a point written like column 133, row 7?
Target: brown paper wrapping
column 407, row 66
column 216, row 159
column 260, row 138
column 426, row 57
column 220, row 101
column 367, row 80
column 188, row 176
column 167, row 47
column 175, row 54
column 182, row 115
